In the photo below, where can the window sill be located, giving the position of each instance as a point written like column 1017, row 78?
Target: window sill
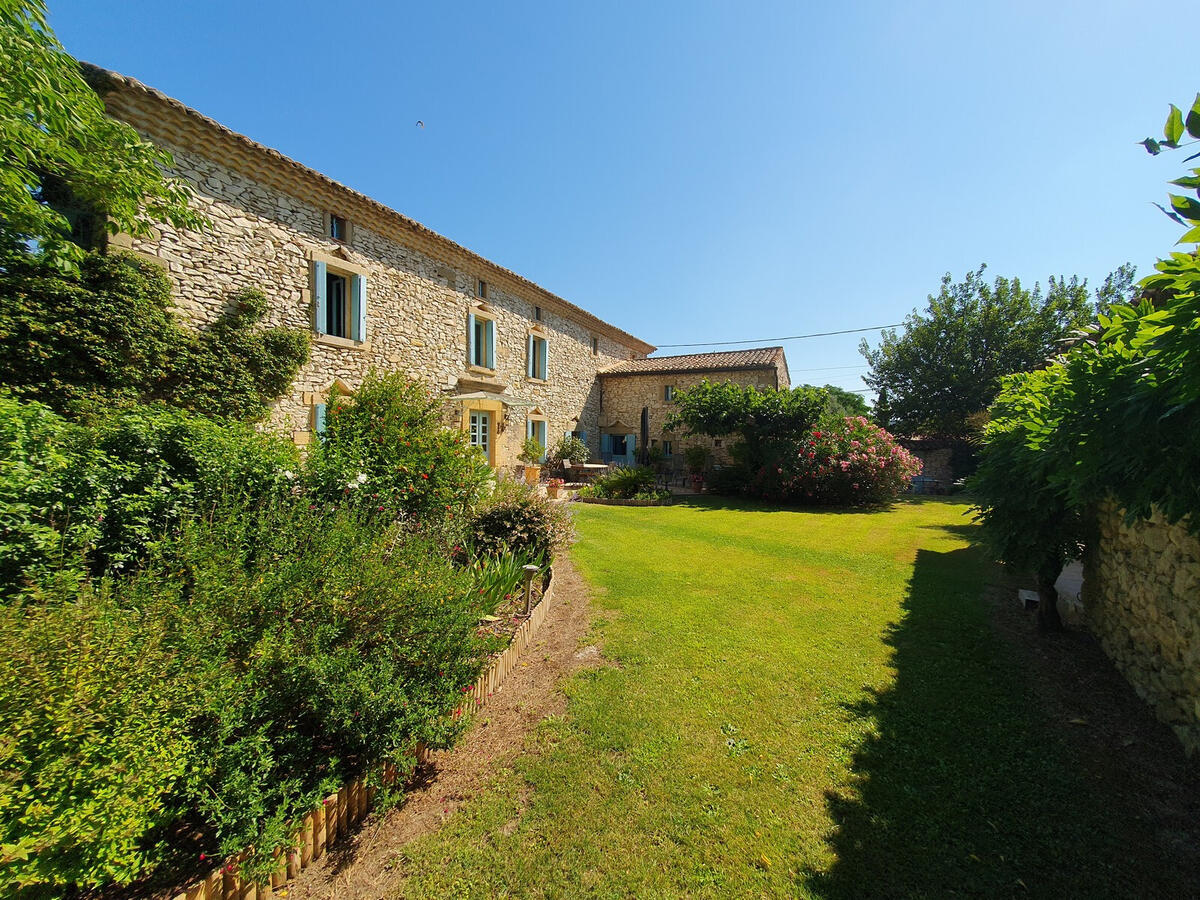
column 480, row 370
column 329, row 340
column 537, row 380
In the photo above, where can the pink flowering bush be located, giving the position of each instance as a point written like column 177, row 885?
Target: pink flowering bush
column 848, row 462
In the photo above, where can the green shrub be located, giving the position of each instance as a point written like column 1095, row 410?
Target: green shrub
column 92, row 704
column 624, row 483
column 107, row 335
column 263, row 658
column 532, row 452
column 385, row 450
column 571, row 448
column 78, row 498
column 516, row 518
column 698, row 457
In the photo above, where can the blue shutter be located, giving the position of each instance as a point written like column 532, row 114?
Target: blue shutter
column 319, row 297
column 583, row 436
column 543, row 439
column 319, row 418
column 529, row 358
column 630, row 446
column 543, row 358
column 528, row 428
column 490, row 330
column 358, row 307
column 471, row 339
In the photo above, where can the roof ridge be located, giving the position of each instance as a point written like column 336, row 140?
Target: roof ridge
column 101, row 78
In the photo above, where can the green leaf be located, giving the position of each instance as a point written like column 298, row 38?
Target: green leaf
column 1173, row 130
column 1152, row 146
column 1193, row 118
column 1186, row 207
column 1188, row 181
column 1191, row 236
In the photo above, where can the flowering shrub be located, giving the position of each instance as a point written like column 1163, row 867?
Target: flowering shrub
column 850, row 462
column 385, row 450
column 517, row 518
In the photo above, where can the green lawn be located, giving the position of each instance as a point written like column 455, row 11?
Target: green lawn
column 806, row 704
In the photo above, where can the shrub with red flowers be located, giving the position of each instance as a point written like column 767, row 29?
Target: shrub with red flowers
column 846, row 462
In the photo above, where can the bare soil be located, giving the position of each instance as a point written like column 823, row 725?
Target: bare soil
column 362, row 868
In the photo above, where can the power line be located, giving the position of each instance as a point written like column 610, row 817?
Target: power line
column 831, row 368
column 794, row 337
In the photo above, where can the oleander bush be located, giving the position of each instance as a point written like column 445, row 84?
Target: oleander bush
column 846, row 462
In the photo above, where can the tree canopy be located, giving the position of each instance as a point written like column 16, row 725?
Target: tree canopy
column 945, row 367
column 58, row 145
column 840, row 402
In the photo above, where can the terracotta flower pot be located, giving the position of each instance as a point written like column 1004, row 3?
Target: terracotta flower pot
column 532, row 474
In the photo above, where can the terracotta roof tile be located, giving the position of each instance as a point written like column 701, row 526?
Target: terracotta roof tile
column 754, row 358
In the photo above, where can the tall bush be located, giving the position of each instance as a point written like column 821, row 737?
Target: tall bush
column 107, row 335
column 385, row 450
column 245, row 671
column 95, row 498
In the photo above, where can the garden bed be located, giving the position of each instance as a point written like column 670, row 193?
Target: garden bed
column 611, row 501
column 340, row 813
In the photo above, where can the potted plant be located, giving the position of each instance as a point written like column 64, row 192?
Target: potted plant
column 553, row 486
column 531, row 455
column 697, row 461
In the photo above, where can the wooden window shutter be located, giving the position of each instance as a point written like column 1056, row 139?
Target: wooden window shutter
column 471, row 338
column 319, row 323
column 358, row 308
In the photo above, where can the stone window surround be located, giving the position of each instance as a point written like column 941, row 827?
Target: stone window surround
column 313, row 400
column 538, row 331
column 341, row 266
column 481, row 310
column 327, row 227
column 536, row 415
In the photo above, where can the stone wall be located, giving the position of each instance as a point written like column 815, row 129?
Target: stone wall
column 625, row 395
column 418, row 302
column 1141, row 597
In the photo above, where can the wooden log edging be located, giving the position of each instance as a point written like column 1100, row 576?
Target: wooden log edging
column 340, row 813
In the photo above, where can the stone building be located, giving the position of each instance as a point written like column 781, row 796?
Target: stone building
column 636, row 386
column 377, row 289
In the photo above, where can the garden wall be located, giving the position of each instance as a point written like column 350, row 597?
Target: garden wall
column 1142, row 599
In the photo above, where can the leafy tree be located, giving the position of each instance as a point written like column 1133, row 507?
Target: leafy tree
column 106, row 334
column 758, row 418
column 840, row 402
column 1119, row 287
column 57, row 144
column 946, row 365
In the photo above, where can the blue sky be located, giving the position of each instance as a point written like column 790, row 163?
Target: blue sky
column 707, row 172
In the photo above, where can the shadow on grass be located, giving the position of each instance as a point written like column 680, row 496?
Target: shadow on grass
column 718, row 502
column 962, row 789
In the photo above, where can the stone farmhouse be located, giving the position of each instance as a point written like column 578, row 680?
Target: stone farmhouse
column 638, row 387
column 379, row 290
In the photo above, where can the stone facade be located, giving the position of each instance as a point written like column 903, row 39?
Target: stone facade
column 1141, row 597
column 624, row 395
column 270, row 225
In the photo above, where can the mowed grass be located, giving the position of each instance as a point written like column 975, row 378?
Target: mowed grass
column 804, row 704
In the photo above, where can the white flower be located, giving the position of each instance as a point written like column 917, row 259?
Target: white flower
column 362, row 478
column 289, row 474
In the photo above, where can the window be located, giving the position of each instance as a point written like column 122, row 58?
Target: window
column 595, row 346
column 337, row 227
column 717, row 442
column 537, row 363
column 480, row 429
column 669, row 393
column 536, row 429
column 481, row 289
column 481, row 340
column 666, row 448
column 537, row 313
column 340, row 307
